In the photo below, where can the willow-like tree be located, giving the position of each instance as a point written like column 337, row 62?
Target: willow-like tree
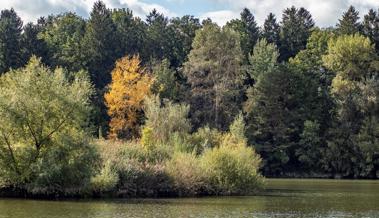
column 130, row 85
column 355, row 90
column 42, row 139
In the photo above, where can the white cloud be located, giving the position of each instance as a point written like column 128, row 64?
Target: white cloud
column 324, row 12
column 220, row 17
column 31, row 10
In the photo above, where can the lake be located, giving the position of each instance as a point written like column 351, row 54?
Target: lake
column 282, row 198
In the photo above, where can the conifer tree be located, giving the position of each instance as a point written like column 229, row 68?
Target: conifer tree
column 101, row 44
column 296, row 27
column 10, row 40
column 271, row 30
column 349, row 23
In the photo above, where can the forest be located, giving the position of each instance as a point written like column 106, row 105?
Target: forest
column 117, row 105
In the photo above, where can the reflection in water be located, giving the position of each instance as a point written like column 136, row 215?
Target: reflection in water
column 282, row 198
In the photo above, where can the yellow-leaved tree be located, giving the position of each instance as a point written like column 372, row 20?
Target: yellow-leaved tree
column 130, row 85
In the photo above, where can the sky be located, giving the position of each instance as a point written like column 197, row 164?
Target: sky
column 325, row 12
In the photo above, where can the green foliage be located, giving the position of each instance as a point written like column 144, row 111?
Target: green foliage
column 184, row 30
column 32, row 44
column 131, row 32
column 238, row 128
column 296, row 27
column 263, row 59
column 349, row 24
column 274, row 117
column 165, row 83
column 101, row 45
column 10, row 39
column 271, row 30
column 356, row 105
column 42, row 140
column 248, row 30
column 370, row 27
column 310, row 149
column 231, row 170
column 186, row 173
column 214, row 75
column 137, row 171
column 106, row 180
column 63, row 36
column 164, row 120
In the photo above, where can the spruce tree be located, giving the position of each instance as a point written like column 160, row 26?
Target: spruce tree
column 101, row 44
column 349, row 23
column 371, row 27
column 296, row 27
column 271, row 30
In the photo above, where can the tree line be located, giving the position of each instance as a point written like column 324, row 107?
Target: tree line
column 308, row 95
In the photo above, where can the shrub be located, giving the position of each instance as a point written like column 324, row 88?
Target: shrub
column 206, row 137
column 231, row 170
column 64, row 169
column 140, row 171
column 165, row 119
column 106, row 180
column 184, row 169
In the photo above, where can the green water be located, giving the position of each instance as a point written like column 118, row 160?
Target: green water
column 282, row 198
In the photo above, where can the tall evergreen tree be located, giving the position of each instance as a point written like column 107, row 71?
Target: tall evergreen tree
column 271, row 30
column 272, row 108
column 132, row 32
column 101, row 44
column 349, row 23
column 248, row 30
column 184, row 29
column 160, row 38
column 251, row 26
column 296, row 27
column 63, row 36
column 10, row 40
column 370, row 27
column 213, row 72
column 32, row 44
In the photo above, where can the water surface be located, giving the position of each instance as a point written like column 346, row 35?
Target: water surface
column 282, row 198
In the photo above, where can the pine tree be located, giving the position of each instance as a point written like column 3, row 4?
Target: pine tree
column 10, row 40
column 349, row 23
column 214, row 75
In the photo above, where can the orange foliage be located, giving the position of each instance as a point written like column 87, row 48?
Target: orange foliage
column 130, row 85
